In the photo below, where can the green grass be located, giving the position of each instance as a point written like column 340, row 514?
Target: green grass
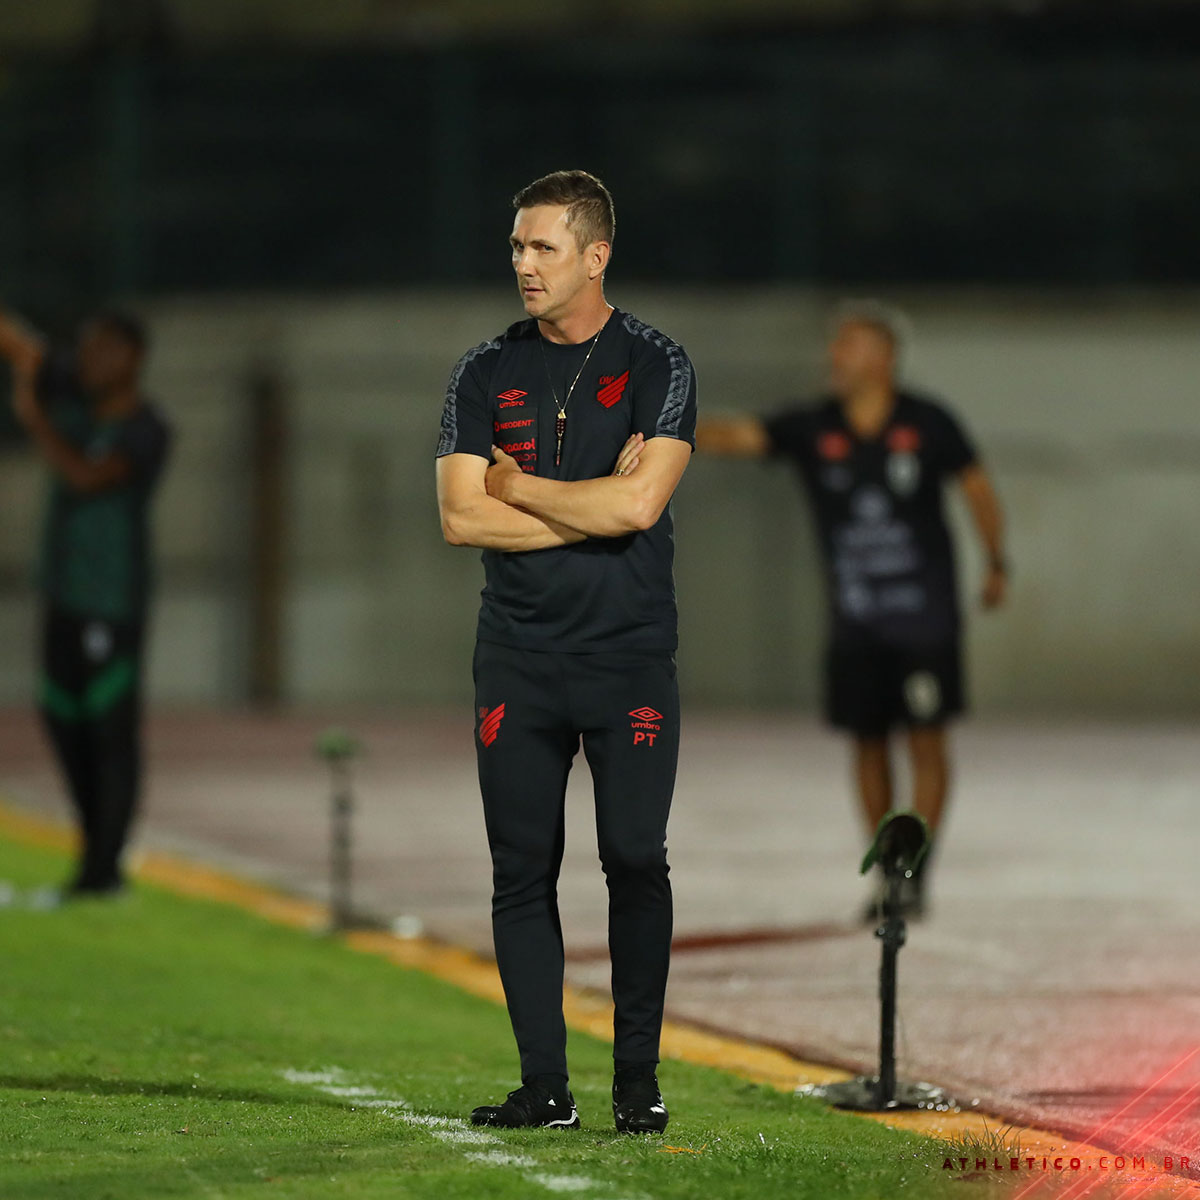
column 144, row 1046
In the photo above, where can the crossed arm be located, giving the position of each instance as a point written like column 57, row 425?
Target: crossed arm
column 499, row 507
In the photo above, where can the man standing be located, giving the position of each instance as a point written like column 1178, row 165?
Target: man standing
column 874, row 459
column 542, row 430
column 106, row 446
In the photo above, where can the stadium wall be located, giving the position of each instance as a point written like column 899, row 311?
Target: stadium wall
column 1084, row 406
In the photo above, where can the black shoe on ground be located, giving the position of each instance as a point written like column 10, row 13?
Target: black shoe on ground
column 529, row 1107
column 638, row 1105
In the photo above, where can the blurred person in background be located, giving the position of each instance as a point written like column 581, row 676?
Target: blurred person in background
column 874, row 459
column 562, row 443
column 105, row 446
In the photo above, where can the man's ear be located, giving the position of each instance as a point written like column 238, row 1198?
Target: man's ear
column 597, row 255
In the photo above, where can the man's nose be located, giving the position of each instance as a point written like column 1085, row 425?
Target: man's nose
column 525, row 263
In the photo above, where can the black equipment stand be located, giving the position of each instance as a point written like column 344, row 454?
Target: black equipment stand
column 338, row 749
column 901, row 842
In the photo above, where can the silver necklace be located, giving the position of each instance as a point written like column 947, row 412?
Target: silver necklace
column 560, row 420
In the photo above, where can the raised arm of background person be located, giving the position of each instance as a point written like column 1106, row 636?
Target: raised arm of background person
column 740, row 436
column 19, row 345
column 470, row 517
column 989, row 524
column 81, row 473
column 30, row 370
column 603, row 508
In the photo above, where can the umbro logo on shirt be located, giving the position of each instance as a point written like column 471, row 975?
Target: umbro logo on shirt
column 512, row 396
column 612, row 388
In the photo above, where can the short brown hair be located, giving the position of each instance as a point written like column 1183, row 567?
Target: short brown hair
column 883, row 319
column 589, row 205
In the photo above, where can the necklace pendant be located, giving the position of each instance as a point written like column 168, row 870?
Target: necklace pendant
column 560, row 427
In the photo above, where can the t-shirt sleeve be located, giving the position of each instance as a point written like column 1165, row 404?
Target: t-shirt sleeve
column 953, row 448
column 145, row 442
column 466, row 413
column 664, row 393
column 789, row 433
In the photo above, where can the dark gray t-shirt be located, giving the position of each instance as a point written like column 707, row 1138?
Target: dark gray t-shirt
column 604, row 593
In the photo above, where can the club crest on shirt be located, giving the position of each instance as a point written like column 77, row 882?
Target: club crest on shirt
column 903, row 472
column 611, row 388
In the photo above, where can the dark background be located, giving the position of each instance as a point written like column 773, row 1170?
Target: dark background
column 1058, row 146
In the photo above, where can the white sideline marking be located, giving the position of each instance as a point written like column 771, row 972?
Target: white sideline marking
column 330, row 1075
column 497, row 1158
column 465, row 1137
column 563, row 1183
column 334, row 1081
column 431, row 1122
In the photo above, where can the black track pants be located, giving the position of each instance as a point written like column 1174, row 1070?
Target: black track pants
column 532, row 709
column 90, row 702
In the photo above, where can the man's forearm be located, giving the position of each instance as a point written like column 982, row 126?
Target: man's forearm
column 490, row 524
column 988, row 517
column 732, row 437
column 611, row 506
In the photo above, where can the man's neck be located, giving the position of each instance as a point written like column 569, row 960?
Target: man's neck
column 577, row 327
column 118, row 402
column 869, row 408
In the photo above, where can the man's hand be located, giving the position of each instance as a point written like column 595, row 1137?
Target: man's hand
column 630, row 456
column 499, row 477
column 995, row 586
column 608, row 506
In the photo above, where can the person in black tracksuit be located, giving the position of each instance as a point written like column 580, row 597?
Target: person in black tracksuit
column 106, row 447
column 562, row 442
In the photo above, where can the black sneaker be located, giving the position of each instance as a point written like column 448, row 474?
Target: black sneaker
column 529, row 1107
column 638, row 1105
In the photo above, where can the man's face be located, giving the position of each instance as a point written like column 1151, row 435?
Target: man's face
column 859, row 355
column 551, row 269
column 105, row 359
